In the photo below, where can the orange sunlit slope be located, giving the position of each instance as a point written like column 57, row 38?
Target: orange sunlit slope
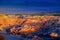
column 38, row 21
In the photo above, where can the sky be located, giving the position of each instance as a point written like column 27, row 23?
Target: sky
column 22, row 6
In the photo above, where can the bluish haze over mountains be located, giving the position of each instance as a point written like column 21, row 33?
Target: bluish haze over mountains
column 13, row 6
